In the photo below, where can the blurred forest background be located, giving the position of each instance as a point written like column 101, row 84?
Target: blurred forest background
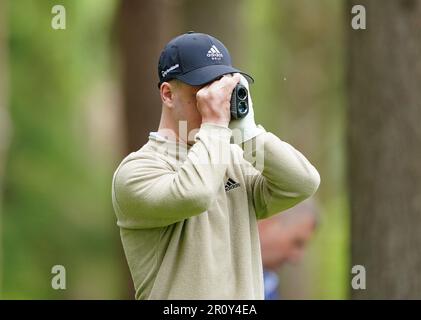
column 74, row 102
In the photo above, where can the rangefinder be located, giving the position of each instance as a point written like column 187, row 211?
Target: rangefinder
column 239, row 102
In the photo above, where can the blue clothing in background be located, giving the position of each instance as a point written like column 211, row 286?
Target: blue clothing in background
column 271, row 284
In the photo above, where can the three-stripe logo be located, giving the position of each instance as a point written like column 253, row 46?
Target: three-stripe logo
column 214, row 53
column 231, row 184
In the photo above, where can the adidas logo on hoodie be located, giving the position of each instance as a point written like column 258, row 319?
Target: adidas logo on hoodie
column 231, row 184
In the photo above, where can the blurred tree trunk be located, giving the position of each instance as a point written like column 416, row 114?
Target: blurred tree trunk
column 4, row 118
column 221, row 19
column 384, row 154
column 138, row 47
column 144, row 28
column 139, row 42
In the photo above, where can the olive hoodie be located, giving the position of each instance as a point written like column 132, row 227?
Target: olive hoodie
column 188, row 213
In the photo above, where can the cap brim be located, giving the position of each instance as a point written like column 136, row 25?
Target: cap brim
column 208, row 74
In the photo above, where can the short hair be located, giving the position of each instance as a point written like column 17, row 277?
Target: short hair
column 175, row 82
column 305, row 209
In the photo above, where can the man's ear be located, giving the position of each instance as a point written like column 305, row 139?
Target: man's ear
column 167, row 93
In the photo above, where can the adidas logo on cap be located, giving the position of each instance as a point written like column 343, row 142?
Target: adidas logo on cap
column 214, row 53
column 231, row 184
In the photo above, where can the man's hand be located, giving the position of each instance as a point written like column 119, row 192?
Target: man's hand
column 213, row 100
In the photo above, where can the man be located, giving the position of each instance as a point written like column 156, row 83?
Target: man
column 283, row 238
column 187, row 204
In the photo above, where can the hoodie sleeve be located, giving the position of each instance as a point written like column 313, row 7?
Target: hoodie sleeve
column 277, row 175
column 147, row 193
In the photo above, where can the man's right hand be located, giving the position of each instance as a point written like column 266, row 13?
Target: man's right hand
column 213, row 100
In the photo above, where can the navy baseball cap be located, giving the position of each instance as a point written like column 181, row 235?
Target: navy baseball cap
column 196, row 59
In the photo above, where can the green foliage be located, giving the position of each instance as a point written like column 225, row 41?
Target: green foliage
column 57, row 206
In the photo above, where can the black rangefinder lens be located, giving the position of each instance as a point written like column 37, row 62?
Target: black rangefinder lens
column 242, row 108
column 239, row 102
column 242, row 93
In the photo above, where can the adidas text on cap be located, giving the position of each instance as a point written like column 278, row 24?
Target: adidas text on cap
column 195, row 59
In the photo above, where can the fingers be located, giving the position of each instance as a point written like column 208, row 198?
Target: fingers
column 213, row 100
column 228, row 82
column 237, row 76
column 225, row 84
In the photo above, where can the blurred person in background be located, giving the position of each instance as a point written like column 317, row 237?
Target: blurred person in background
column 283, row 239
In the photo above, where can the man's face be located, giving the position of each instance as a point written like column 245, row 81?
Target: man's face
column 295, row 239
column 185, row 105
column 285, row 242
